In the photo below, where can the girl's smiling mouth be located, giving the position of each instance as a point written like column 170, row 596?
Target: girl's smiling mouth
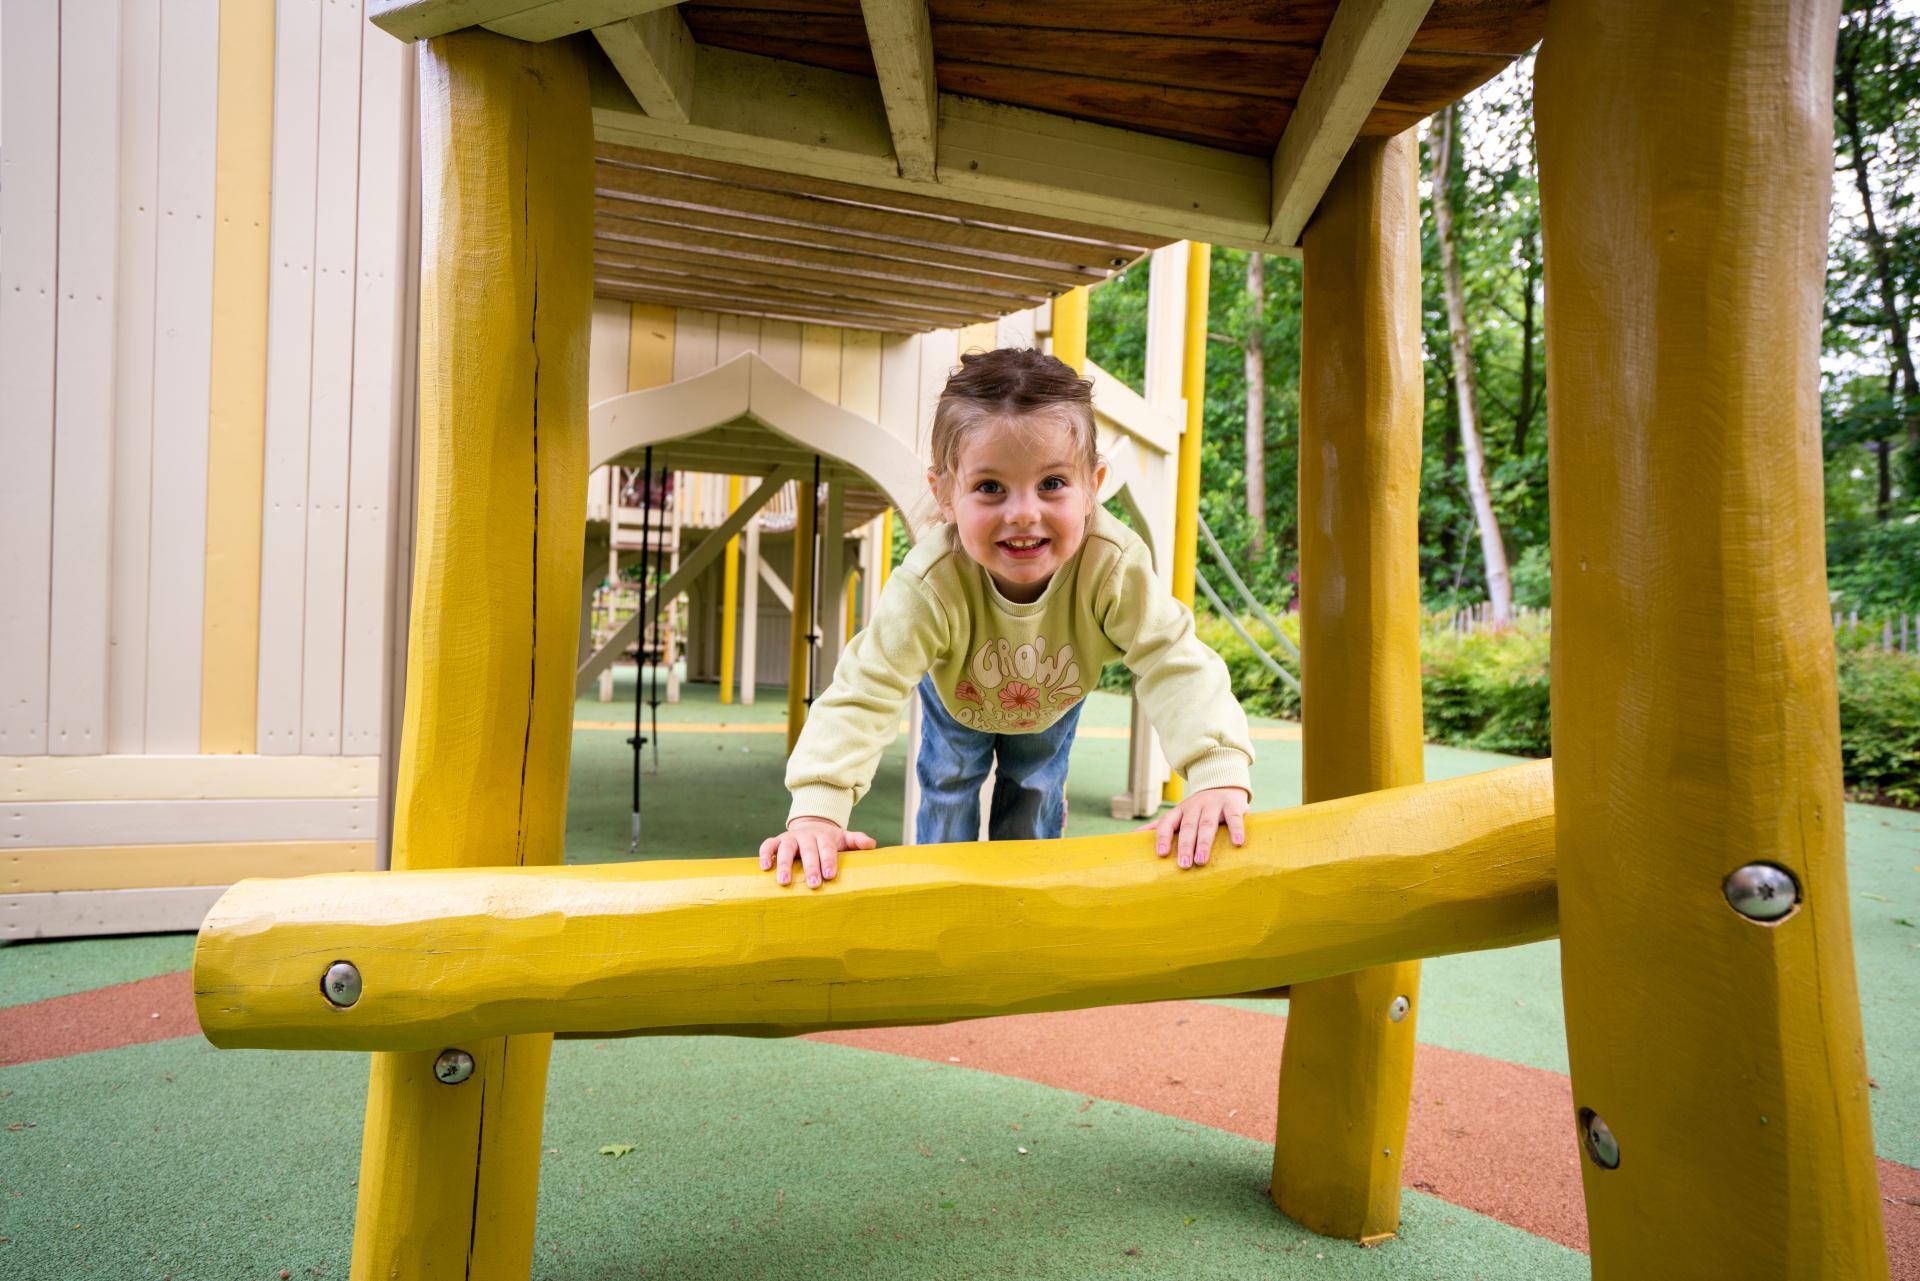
column 1023, row 548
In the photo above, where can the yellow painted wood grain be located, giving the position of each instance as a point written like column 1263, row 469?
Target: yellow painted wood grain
column 237, row 379
column 909, row 934
column 125, row 867
column 1685, row 162
column 1347, row 1067
column 448, row 1174
column 1070, row 328
column 1186, row 489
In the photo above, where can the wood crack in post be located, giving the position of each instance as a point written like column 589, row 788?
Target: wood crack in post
column 533, row 658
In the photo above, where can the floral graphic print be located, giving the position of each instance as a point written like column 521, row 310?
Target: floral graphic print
column 966, row 692
column 1016, row 696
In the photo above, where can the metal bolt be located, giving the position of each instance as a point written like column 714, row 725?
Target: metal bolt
column 1398, row 1010
column 453, row 1067
column 1602, row 1147
column 341, row 984
column 1762, row 891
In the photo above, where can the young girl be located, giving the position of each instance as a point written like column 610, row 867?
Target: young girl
column 1004, row 617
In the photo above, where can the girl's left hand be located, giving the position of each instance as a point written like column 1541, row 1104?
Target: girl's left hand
column 1189, row 827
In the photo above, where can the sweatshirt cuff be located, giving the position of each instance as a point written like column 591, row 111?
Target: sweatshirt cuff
column 822, row 800
column 1222, row 767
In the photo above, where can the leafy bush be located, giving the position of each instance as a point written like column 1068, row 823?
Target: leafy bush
column 1874, row 566
column 1490, row 690
column 1532, row 583
column 1880, row 726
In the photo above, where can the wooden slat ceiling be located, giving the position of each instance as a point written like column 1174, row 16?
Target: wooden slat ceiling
column 1224, row 73
column 694, row 233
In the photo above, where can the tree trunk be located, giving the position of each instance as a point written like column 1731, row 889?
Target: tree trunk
column 1255, row 348
column 1905, row 386
column 1523, row 416
column 1493, row 549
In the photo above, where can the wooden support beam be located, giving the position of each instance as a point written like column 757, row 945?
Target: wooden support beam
column 769, row 113
column 902, row 43
column 692, row 566
column 653, row 53
column 801, row 631
column 716, row 945
column 1362, row 47
column 448, row 1176
column 729, row 592
column 1347, row 1067
column 1685, row 154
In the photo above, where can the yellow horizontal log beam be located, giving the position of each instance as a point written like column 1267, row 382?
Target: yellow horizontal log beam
column 915, row 934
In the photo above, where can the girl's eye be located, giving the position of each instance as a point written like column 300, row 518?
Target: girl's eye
column 987, row 487
column 1053, row 482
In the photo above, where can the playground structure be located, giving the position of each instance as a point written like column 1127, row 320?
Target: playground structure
column 1696, row 871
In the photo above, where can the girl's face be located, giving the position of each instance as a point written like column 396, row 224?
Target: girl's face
column 1020, row 500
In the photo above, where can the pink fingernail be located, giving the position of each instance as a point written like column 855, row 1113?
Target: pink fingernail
column 813, row 881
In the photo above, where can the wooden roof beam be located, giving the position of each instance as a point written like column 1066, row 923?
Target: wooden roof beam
column 902, row 43
column 1363, row 46
column 771, row 114
column 521, row 19
column 654, row 54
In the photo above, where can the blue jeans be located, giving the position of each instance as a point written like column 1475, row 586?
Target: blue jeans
column 1030, row 782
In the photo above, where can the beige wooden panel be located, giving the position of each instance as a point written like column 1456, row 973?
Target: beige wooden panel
column 939, row 357
column 607, row 349
column 183, row 349
column 83, row 378
column 29, row 195
column 738, row 334
column 696, row 336
column 92, row 912
column 1015, row 330
column 820, row 361
column 131, row 514
column 860, row 374
column 780, row 346
column 383, row 266
column 182, row 778
column 900, row 387
column 43, row 824
column 290, row 295
column 330, row 430
column 122, row 867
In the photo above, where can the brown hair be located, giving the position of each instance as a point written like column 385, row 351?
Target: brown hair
column 1008, row 384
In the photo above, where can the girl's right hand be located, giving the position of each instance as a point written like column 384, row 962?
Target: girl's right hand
column 817, row 843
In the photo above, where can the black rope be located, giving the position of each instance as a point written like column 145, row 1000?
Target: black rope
column 813, row 579
column 660, row 570
column 638, row 740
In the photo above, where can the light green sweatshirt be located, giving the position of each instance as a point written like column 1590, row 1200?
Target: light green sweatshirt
column 1007, row 668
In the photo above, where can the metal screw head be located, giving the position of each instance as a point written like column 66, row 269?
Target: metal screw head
column 1602, row 1147
column 341, row 984
column 1762, row 891
column 453, row 1067
column 1398, row 1010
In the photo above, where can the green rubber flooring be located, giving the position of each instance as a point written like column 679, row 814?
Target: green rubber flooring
column 756, row 1160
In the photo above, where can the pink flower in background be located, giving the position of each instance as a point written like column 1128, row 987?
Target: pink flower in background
column 966, row 692
column 1018, row 696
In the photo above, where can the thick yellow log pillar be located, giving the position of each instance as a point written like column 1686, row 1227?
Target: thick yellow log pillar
column 448, row 1172
column 799, row 647
column 1347, row 1067
column 729, row 599
column 1686, row 154
column 1186, row 489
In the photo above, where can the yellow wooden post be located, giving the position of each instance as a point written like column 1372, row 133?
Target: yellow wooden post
column 448, row 1173
column 1070, row 328
column 1186, row 490
column 729, row 599
column 798, row 644
column 853, row 588
column 1685, row 154
column 886, row 547
column 1347, row 1068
